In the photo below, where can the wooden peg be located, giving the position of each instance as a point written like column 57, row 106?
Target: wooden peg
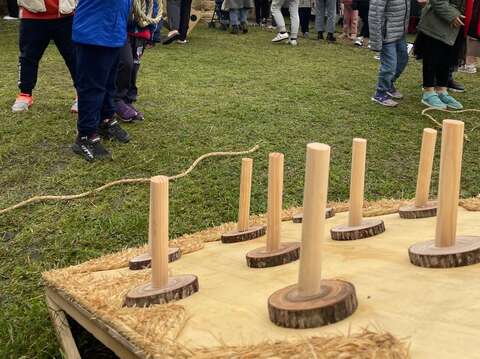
column 275, row 253
column 162, row 288
column 298, row 218
column 423, row 208
column 448, row 250
column 313, row 302
column 244, row 232
column 357, row 228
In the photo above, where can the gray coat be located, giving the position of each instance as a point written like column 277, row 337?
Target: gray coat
column 388, row 20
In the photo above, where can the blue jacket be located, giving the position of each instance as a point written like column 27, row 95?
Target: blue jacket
column 101, row 22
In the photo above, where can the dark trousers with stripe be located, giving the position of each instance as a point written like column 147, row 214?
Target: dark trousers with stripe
column 34, row 38
column 96, row 72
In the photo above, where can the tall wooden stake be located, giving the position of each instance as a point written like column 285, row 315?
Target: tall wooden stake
column 313, row 225
column 275, row 193
column 313, row 302
column 245, row 194
column 448, row 250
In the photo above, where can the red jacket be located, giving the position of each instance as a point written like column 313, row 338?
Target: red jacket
column 52, row 11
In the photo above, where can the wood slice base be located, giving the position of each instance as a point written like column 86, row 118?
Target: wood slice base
column 144, row 260
column 368, row 228
column 298, row 218
column 336, row 301
column 178, row 287
column 465, row 252
column 236, row 236
column 413, row 212
column 260, row 258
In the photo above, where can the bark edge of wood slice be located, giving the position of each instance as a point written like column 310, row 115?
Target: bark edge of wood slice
column 413, row 212
column 368, row 228
column 178, row 287
column 298, row 218
column 337, row 301
column 465, row 252
column 249, row 234
column 144, row 260
column 260, row 258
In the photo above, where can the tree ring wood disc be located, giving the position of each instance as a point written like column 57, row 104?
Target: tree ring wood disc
column 261, row 258
column 144, row 260
column 336, row 302
column 178, row 287
column 368, row 228
column 236, row 236
column 413, row 212
column 466, row 251
column 298, row 218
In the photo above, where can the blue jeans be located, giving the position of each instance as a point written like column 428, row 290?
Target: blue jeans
column 238, row 16
column 393, row 60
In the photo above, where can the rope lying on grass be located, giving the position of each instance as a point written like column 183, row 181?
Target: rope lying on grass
column 124, row 181
column 439, row 125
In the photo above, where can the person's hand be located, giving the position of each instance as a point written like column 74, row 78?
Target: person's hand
column 458, row 21
column 422, row 3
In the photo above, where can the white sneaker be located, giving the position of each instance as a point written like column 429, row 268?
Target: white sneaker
column 409, row 48
column 280, row 37
column 293, row 42
column 359, row 41
column 74, row 108
column 10, row 18
column 468, row 69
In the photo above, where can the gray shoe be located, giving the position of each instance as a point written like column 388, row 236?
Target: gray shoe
column 22, row 103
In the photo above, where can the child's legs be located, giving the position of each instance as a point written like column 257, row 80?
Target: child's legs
column 347, row 15
column 402, row 57
column 34, row 38
column 388, row 66
column 93, row 68
column 304, row 14
column 61, row 33
column 243, row 15
column 320, row 15
column 294, row 18
column 138, row 48
column 234, row 17
column 173, row 11
column 277, row 15
column 124, row 70
column 331, row 6
column 108, row 106
column 354, row 23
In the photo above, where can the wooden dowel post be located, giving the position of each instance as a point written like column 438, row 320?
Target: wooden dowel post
column 449, row 184
column 275, row 193
column 357, row 182
column 245, row 194
column 313, row 225
column 427, row 154
column 159, row 230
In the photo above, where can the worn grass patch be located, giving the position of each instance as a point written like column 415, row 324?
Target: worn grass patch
column 219, row 92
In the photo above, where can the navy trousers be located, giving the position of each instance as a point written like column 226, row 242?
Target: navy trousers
column 96, row 72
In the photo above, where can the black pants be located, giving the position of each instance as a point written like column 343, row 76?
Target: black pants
column 262, row 10
column 128, row 66
column 96, row 68
column 12, row 8
column 185, row 9
column 35, row 35
column 363, row 9
column 304, row 14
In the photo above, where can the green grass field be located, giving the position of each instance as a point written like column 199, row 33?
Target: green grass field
column 219, row 92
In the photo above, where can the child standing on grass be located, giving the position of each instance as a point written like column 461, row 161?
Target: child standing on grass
column 238, row 10
column 99, row 32
column 388, row 20
column 350, row 20
column 280, row 21
column 42, row 21
column 304, row 12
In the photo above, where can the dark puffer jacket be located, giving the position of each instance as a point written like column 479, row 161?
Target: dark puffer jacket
column 388, row 20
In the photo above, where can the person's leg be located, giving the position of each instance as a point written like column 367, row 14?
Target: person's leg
column 277, row 15
column 242, row 14
column 331, row 9
column 386, row 73
column 258, row 11
column 353, row 24
column 173, row 11
column 234, row 17
column 347, row 19
column 294, row 19
column 402, row 58
column 185, row 10
column 124, row 81
column 12, row 8
column 265, row 10
column 33, row 40
column 320, row 15
column 304, row 16
column 138, row 48
column 61, row 33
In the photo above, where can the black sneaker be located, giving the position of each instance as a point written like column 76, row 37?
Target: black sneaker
column 455, row 86
column 235, row 29
column 110, row 129
column 320, row 35
column 331, row 38
column 90, row 148
column 244, row 27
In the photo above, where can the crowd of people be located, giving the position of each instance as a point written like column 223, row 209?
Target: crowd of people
column 102, row 43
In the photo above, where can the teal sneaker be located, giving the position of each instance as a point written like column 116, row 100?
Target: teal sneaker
column 432, row 100
column 450, row 101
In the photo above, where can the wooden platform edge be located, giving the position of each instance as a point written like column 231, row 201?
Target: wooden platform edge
column 99, row 329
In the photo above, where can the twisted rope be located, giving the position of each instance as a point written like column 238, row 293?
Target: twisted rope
column 439, row 125
column 124, row 181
